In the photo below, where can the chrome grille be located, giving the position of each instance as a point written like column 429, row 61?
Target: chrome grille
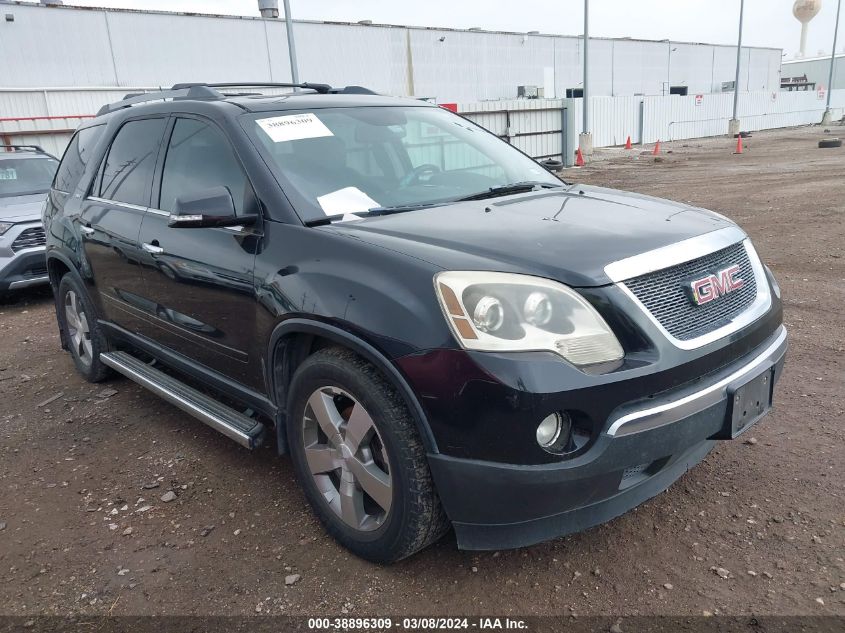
column 30, row 238
column 663, row 293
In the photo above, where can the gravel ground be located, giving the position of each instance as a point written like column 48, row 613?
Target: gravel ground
column 86, row 470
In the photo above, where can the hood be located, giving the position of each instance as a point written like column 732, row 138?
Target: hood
column 21, row 208
column 569, row 234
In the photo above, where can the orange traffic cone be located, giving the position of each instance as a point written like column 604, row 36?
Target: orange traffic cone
column 738, row 144
column 656, row 151
column 579, row 158
column 628, row 143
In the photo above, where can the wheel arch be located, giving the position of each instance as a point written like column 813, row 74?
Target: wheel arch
column 295, row 339
column 58, row 265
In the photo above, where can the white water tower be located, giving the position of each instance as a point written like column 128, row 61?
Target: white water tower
column 804, row 11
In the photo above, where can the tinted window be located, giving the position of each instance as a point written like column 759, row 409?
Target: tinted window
column 200, row 157
column 76, row 157
column 129, row 165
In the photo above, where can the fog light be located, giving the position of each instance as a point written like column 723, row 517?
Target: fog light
column 553, row 431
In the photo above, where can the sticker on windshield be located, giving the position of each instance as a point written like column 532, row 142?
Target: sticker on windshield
column 346, row 200
column 294, row 127
column 10, row 173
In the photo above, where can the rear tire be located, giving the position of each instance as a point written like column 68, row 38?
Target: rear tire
column 359, row 459
column 81, row 329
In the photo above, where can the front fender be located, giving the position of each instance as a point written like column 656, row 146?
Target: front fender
column 294, row 327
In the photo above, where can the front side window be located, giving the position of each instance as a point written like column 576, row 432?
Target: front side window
column 23, row 176
column 127, row 172
column 76, row 157
column 200, row 157
column 348, row 160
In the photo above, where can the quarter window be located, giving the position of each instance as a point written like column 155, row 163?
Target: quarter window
column 76, row 157
column 198, row 158
column 127, row 172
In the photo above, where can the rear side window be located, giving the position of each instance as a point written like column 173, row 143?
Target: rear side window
column 76, row 157
column 127, row 172
column 199, row 157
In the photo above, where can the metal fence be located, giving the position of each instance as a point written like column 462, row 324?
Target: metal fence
column 549, row 128
column 542, row 128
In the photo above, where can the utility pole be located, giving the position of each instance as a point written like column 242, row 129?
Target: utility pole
column 826, row 118
column 294, row 71
column 270, row 9
column 733, row 127
column 585, row 140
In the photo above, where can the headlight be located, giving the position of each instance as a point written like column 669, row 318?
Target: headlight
column 5, row 226
column 506, row 312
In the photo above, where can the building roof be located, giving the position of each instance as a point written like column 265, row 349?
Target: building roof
column 821, row 58
column 368, row 23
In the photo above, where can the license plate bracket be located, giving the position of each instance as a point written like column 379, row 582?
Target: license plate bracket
column 748, row 402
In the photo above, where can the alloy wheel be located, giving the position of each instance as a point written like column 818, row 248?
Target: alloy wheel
column 347, row 458
column 78, row 328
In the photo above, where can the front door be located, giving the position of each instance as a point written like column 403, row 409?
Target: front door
column 202, row 278
column 111, row 215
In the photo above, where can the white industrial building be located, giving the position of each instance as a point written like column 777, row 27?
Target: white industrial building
column 61, row 63
column 817, row 71
column 65, row 46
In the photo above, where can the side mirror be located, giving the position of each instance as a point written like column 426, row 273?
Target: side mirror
column 212, row 207
column 551, row 164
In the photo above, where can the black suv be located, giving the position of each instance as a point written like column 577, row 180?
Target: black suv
column 439, row 331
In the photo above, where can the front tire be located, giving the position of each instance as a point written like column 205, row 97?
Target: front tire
column 81, row 330
column 359, row 459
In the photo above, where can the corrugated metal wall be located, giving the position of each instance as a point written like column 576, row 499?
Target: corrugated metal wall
column 66, row 46
column 669, row 118
column 535, row 126
column 677, row 118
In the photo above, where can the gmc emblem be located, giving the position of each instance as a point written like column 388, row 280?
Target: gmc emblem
column 714, row 286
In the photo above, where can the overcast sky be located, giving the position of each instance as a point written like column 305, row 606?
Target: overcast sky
column 767, row 22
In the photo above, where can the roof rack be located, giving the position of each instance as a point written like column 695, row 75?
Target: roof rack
column 26, row 148
column 198, row 92
column 320, row 88
column 209, row 92
column 31, row 148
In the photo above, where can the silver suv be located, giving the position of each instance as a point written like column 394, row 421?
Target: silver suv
column 26, row 172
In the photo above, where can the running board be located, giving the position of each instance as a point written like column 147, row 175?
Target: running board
column 237, row 426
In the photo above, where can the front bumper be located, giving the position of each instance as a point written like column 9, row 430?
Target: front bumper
column 25, row 267
column 644, row 449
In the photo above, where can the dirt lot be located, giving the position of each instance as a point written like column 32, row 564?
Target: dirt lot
column 83, row 468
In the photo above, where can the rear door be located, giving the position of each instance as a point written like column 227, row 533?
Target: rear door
column 111, row 215
column 202, row 278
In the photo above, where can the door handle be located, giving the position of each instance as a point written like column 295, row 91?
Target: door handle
column 86, row 230
column 153, row 249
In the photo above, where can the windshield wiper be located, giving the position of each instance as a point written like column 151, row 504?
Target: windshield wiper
column 506, row 190
column 492, row 192
column 401, row 208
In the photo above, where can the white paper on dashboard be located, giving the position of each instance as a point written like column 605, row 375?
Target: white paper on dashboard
column 346, row 200
column 294, row 127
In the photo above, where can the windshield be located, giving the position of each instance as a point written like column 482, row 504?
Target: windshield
column 21, row 176
column 347, row 160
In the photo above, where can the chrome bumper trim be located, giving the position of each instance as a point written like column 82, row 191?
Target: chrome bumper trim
column 674, row 254
column 661, row 415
